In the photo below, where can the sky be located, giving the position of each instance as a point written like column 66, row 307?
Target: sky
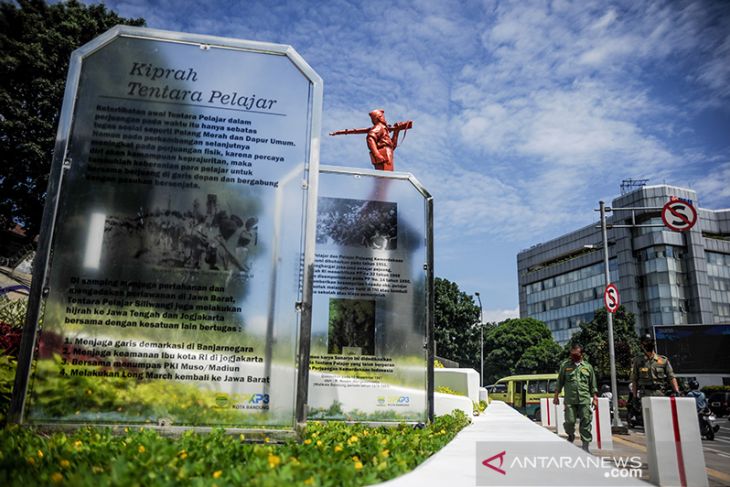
column 526, row 113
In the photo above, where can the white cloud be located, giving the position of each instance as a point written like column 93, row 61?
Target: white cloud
column 714, row 188
column 525, row 112
column 498, row 315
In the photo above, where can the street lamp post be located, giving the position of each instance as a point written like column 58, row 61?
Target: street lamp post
column 481, row 341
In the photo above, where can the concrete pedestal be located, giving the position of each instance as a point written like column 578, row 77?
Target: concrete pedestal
column 601, row 426
column 673, row 441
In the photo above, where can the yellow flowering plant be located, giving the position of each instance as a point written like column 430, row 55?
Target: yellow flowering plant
column 330, row 454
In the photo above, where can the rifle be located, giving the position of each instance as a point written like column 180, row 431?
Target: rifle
column 396, row 127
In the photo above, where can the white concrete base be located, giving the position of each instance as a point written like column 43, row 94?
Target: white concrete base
column 673, row 441
column 601, row 426
column 463, row 381
column 483, row 394
column 446, row 403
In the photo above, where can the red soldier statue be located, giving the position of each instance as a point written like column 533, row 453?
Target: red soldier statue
column 380, row 143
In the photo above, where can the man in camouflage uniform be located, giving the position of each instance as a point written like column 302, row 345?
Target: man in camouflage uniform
column 581, row 394
column 651, row 372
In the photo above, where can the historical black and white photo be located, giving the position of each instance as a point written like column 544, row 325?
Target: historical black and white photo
column 358, row 223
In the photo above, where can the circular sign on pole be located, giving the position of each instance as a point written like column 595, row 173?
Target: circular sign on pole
column 679, row 215
column 611, row 298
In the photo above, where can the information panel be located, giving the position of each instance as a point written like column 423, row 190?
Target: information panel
column 175, row 264
column 370, row 306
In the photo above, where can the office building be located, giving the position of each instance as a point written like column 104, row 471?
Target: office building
column 664, row 277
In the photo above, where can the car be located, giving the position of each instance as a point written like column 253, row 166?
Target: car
column 719, row 403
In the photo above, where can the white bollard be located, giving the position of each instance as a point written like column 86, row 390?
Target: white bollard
column 483, row 394
column 548, row 414
column 673, row 441
column 560, row 417
column 601, row 426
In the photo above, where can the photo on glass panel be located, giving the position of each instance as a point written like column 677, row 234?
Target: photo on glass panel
column 351, row 327
column 204, row 236
column 358, row 223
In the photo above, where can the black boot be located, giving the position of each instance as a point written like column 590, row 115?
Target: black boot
column 571, row 437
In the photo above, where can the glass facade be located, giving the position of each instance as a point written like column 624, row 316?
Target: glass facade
column 718, row 272
column 565, row 301
column 663, row 282
column 666, row 277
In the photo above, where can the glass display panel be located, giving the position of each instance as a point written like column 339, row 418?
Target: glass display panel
column 369, row 318
column 176, row 254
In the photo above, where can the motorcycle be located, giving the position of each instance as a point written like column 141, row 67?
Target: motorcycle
column 708, row 426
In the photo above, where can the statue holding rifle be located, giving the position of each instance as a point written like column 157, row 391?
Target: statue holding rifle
column 380, row 143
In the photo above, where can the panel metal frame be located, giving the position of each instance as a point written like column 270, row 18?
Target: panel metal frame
column 60, row 164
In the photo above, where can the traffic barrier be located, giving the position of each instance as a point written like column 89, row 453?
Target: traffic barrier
column 483, row 394
column 548, row 414
column 601, row 426
column 560, row 417
column 673, row 441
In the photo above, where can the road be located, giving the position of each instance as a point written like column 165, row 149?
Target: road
column 717, row 451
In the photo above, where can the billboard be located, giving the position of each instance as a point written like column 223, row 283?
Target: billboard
column 183, row 181
column 695, row 349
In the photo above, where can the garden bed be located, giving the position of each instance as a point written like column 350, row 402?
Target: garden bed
column 331, row 453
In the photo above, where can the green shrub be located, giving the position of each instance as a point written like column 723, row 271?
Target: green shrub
column 331, row 454
column 13, row 312
column 7, row 376
column 447, row 390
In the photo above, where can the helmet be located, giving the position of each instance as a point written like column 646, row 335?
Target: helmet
column 647, row 342
column 693, row 384
column 605, row 388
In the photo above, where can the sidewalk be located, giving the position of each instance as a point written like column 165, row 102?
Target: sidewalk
column 518, row 438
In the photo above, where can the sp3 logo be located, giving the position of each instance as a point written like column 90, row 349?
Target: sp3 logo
column 256, row 398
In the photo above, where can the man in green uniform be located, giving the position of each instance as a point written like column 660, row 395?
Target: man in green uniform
column 651, row 372
column 581, row 394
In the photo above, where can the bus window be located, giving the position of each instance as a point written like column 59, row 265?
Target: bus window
column 537, row 387
column 552, row 384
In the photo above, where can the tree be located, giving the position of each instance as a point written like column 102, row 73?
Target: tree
column 455, row 315
column 36, row 41
column 593, row 336
column 519, row 346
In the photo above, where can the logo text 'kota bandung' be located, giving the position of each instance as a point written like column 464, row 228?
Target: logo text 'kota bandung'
column 488, row 462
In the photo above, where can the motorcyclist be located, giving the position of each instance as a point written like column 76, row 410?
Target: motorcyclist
column 699, row 396
column 606, row 392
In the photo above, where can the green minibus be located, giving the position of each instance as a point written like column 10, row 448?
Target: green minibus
column 523, row 392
